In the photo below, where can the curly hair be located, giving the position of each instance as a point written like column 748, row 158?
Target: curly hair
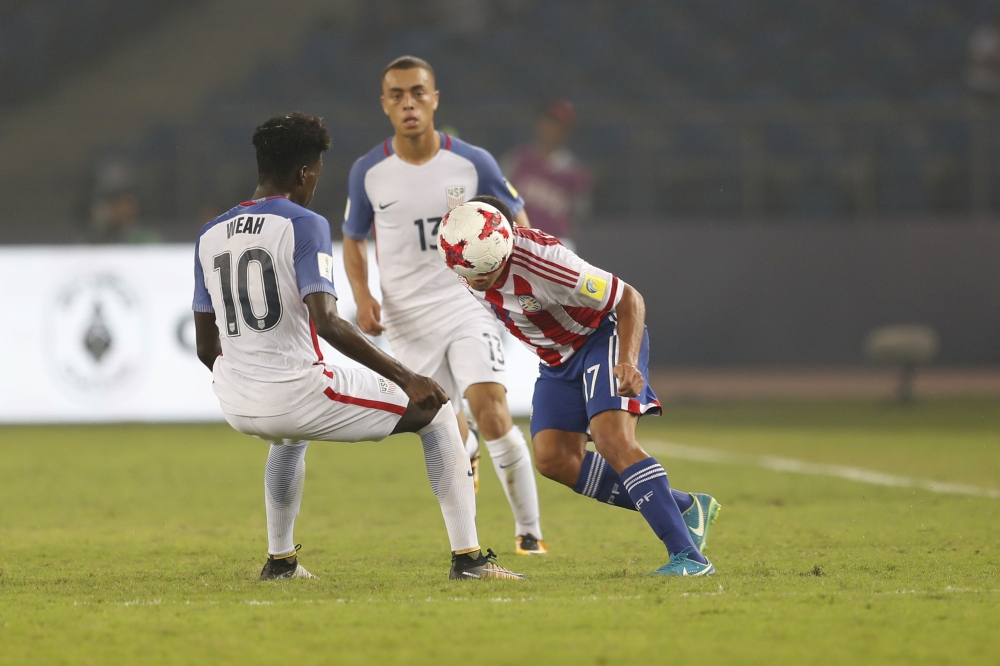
column 287, row 143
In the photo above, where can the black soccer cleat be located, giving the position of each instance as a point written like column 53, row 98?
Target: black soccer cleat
column 284, row 567
column 529, row 544
column 465, row 567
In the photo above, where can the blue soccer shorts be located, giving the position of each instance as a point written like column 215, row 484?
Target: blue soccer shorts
column 568, row 396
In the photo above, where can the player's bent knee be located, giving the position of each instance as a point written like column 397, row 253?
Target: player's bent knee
column 488, row 402
column 416, row 418
column 556, row 457
column 548, row 466
column 494, row 423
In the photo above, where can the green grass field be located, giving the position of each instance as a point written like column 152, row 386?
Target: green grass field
column 142, row 544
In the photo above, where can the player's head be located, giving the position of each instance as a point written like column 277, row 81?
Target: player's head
column 290, row 151
column 409, row 95
column 555, row 123
column 475, row 240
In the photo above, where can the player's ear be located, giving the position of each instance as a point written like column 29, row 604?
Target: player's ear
column 437, row 98
column 301, row 174
column 384, row 109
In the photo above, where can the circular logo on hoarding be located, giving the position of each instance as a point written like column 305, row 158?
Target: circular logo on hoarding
column 95, row 335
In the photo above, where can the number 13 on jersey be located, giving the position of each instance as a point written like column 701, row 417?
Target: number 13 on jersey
column 432, row 224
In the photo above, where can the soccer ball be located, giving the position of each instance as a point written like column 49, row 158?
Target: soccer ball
column 475, row 238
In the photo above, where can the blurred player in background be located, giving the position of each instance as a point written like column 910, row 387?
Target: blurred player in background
column 555, row 186
column 587, row 328
column 263, row 276
column 401, row 190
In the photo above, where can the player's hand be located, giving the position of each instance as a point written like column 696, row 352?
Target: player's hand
column 630, row 381
column 370, row 317
column 425, row 392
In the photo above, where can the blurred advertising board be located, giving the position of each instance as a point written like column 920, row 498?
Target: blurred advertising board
column 106, row 333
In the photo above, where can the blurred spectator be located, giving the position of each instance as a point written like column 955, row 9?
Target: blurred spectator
column 114, row 208
column 116, row 220
column 983, row 76
column 555, row 187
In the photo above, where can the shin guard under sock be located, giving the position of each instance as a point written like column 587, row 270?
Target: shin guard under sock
column 647, row 485
column 450, row 474
column 600, row 481
column 284, row 479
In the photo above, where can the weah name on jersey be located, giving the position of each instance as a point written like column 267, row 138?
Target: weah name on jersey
column 244, row 224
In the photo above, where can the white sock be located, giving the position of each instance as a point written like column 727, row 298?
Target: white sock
column 512, row 461
column 471, row 444
column 450, row 474
column 284, row 478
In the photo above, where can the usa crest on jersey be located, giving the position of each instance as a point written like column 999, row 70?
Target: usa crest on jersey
column 456, row 195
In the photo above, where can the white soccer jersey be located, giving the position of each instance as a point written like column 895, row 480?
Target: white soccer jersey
column 253, row 266
column 549, row 298
column 404, row 203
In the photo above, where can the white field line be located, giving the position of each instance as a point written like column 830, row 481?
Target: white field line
column 702, row 454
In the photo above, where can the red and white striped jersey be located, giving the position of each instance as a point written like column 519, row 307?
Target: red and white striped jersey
column 549, row 298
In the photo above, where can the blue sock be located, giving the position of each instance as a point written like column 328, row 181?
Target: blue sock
column 647, row 485
column 600, row 481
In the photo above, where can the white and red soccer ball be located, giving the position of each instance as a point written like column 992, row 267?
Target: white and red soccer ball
column 475, row 238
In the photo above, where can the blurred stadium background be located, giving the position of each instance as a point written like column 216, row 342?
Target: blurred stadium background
column 780, row 178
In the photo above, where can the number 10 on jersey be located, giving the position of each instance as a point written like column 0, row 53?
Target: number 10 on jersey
column 266, row 284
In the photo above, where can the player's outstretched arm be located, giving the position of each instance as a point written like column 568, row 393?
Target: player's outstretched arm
column 356, row 266
column 631, row 311
column 347, row 339
column 207, row 338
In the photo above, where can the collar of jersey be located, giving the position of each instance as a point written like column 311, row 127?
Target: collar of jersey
column 254, row 202
column 445, row 145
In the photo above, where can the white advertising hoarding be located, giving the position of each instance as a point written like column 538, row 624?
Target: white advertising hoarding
column 105, row 333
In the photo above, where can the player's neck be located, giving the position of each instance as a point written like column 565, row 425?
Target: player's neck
column 265, row 191
column 417, row 149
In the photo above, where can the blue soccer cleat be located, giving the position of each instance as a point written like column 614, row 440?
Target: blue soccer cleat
column 699, row 516
column 681, row 565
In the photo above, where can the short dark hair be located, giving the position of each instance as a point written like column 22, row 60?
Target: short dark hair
column 409, row 62
column 287, row 143
column 496, row 203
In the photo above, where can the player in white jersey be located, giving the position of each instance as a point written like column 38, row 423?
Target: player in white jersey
column 587, row 328
column 263, row 277
column 400, row 191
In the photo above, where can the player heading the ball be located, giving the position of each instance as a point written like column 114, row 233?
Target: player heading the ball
column 263, row 293
column 587, row 328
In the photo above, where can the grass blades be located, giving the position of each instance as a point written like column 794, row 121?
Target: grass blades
column 142, row 543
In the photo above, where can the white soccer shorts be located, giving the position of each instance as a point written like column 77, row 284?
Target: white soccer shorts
column 470, row 352
column 357, row 405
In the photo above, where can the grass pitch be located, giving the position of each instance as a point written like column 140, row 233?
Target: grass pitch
column 141, row 544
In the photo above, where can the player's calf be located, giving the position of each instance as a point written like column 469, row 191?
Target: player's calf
column 559, row 455
column 450, row 475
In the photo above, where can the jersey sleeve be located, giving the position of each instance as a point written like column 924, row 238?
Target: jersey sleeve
column 359, row 215
column 492, row 183
column 595, row 288
column 312, row 256
column 202, row 299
